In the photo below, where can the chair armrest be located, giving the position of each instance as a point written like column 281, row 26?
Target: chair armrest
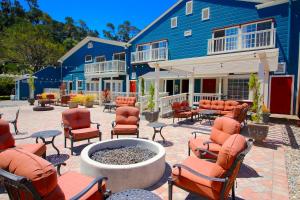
column 113, row 124
column 68, row 127
column 197, row 132
column 12, row 176
column 97, row 180
column 98, row 124
column 206, row 151
column 179, row 166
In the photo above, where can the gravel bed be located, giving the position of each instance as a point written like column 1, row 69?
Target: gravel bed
column 292, row 137
column 123, row 155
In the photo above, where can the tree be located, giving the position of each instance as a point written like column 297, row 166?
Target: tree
column 124, row 33
column 26, row 44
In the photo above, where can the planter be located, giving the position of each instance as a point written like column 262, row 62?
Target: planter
column 258, row 131
column 73, row 105
column 151, row 116
column 266, row 117
column 89, row 104
column 31, row 101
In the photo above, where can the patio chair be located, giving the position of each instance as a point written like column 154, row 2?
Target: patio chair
column 222, row 129
column 27, row 176
column 127, row 122
column 212, row 180
column 239, row 113
column 77, row 126
column 7, row 141
column 14, row 122
column 180, row 112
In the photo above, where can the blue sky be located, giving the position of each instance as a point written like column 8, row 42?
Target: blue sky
column 96, row 13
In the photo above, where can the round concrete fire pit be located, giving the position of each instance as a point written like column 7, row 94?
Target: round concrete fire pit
column 122, row 177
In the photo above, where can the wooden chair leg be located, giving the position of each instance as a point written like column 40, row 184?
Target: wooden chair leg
column 65, row 142
column 170, row 188
column 112, row 135
column 72, row 145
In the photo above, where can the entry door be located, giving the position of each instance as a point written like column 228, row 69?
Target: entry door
column 281, row 95
column 170, row 87
column 209, row 85
column 132, row 86
column 185, row 86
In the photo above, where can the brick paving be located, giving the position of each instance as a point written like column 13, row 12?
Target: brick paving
column 263, row 175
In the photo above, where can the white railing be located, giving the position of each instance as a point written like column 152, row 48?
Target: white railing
column 244, row 41
column 114, row 66
column 206, row 96
column 52, row 90
column 166, row 103
column 150, row 55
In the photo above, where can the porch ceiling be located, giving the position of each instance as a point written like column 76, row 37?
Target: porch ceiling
column 238, row 63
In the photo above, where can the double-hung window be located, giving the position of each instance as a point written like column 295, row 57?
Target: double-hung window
column 238, row 88
column 226, row 39
column 100, row 59
column 119, row 56
column 189, row 8
column 174, row 22
column 88, row 58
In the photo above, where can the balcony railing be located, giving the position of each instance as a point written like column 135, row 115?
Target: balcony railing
column 107, row 67
column 150, row 55
column 242, row 42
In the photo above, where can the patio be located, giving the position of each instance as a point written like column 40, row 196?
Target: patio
column 263, row 175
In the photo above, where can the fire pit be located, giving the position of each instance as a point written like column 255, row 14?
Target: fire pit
column 128, row 163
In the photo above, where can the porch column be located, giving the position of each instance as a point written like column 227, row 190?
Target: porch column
column 220, row 87
column 76, row 83
column 100, row 84
column 263, row 76
column 225, row 86
column 156, row 91
column 111, row 80
column 191, row 89
column 127, row 84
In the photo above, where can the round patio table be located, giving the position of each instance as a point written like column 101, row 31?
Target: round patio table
column 109, row 106
column 207, row 114
column 43, row 135
column 157, row 127
column 134, row 194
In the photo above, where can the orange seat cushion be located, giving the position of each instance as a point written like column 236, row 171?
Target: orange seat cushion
column 39, row 171
column 38, row 149
column 196, row 184
column 85, row 133
column 198, row 143
column 72, row 183
column 6, row 138
column 125, row 129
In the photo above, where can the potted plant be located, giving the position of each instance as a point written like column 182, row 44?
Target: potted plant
column 257, row 129
column 73, row 103
column 265, row 114
column 150, row 114
column 105, row 96
column 143, row 86
column 31, row 99
column 89, row 101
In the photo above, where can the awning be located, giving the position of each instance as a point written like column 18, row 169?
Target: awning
column 217, row 65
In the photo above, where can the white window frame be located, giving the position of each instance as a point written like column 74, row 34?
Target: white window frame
column 238, row 77
column 90, row 60
column 189, row 3
column 90, row 45
column 80, row 84
column 103, row 56
column 111, row 83
column 113, row 57
column 208, row 14
column 188, row 33
column 175, row 20
column 90, row 83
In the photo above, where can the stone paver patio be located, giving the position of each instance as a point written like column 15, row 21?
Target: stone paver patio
column 263, row 175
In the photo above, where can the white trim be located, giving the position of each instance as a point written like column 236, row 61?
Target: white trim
column 271, row 3
column 175, row 22
column 90, row 60
column 292, row 89
column 208, row 14
column 173, row 7
column 85, row 41
column 187, row 4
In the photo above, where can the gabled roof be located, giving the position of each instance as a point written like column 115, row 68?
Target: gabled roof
column 267, row 3
column 85, row 41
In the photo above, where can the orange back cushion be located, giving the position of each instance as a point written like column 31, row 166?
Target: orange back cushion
column 76, row 118
column 234, row 145
column 130, row 101
column 230, row 105
column 6, row 138
column 127, row 115
column 223, row 128
column 205, row 104
column 39, row 171
column 217, row 105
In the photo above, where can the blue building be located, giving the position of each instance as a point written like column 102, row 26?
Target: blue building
column 212, row 46
column 207, row 48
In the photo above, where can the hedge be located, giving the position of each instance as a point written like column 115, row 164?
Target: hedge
column 7, row 86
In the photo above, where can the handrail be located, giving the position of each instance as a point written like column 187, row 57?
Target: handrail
column 150, row 55
column 113, row 66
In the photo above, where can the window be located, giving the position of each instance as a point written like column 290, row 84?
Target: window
column 188, row 33
column 205, row 14
column 119, row 56
column 116, row 85
column 92, row 86
column 100, row 59
column 189, row 8
column 174, row 22
column 88, row 58
column 80, row 84
column 281, row 68
column 90, row 45
column 238, row 89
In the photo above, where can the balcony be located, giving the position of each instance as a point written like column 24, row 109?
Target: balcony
column 242, row 42
column 157, row 54
column 107, row 68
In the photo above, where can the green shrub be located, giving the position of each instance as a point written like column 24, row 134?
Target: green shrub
column 2, row 98
column 7, row 85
